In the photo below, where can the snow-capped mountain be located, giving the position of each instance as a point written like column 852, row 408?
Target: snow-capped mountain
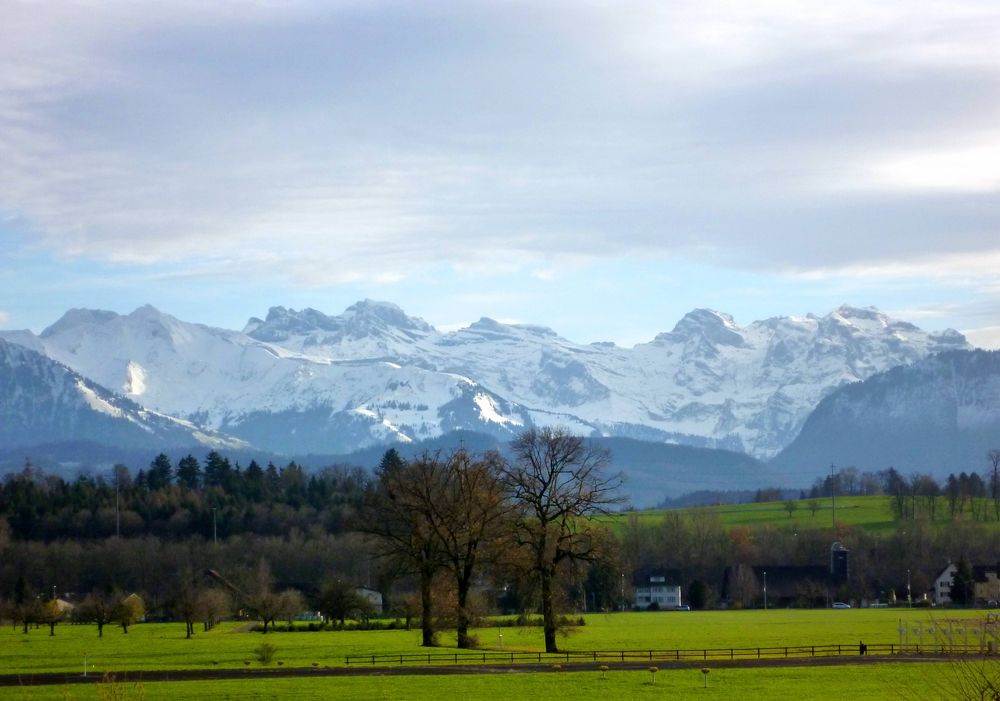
column 42, row 401
column 939, row 415
column 304, row 381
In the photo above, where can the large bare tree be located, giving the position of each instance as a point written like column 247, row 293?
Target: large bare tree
column 469, row 521
column 558, row 481
column 400, row 513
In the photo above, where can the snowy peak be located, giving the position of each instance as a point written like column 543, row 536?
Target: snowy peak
column 78, row 318
column 312, row 328
column 706, row 325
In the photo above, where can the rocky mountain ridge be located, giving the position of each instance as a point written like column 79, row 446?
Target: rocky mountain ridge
column 305, row 381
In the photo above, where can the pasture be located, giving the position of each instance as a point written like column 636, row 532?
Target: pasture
column 923, row 681
column 868, row 513
column 162, row 646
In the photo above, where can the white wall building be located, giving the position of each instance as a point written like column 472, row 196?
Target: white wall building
column 661, row 588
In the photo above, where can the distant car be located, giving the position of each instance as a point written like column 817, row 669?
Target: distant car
column 840, row 605
column 682, row 607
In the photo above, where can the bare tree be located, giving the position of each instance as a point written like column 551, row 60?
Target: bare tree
column 268, row 604
column 557, row 481
column 100, row 608
column 400, row 513
column 469, row 522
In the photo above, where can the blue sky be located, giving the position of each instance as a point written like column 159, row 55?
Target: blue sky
column 601, row 168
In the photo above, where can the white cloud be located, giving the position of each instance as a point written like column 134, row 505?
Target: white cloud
column 987, row 337
column 365, row 142
column 4, row 317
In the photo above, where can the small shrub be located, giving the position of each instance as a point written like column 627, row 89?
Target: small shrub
column 604, row 671
column 265, row 653
column 653, row 671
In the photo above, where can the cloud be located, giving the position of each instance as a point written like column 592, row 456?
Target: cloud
column 370, row 142
column 4, row 317
column 986, row 337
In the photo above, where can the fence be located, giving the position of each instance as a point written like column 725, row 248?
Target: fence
column 704, row 655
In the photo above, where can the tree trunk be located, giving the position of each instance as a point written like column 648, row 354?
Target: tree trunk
column 462, row 625
column 426, row 610
column 25, row 631
column 548, row 609
column 52, row 629
column 100, row 629
column 125, row 628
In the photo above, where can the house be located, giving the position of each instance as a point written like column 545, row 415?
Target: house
column 783, row 586
column 657, row 589
column 986, row 583
column 373, row 597
column 941, row 589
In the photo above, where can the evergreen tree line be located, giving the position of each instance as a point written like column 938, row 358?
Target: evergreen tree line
column 214, row 499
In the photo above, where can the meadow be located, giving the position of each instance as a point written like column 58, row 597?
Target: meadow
column 868, row 513
column 917, row 681
column 162, row 646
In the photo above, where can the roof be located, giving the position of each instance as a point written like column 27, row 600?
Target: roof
column 671, row 577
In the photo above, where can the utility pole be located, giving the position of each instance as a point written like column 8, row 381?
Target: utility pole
column 118, row 519
column 833, row 489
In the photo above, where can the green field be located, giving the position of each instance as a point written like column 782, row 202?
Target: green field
column 163, row 646
column 859, row 683
column 868, row 513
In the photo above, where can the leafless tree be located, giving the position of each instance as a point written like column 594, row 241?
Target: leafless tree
column 557, row 482
column 400, row 513
column 469, row 521
column 268, row 604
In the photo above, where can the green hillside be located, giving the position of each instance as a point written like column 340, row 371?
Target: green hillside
column 871, row 513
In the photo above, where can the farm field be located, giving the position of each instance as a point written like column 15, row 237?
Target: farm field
column 922, row 681
column 162, row 646
column 868, row 513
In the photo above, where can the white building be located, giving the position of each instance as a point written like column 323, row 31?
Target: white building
column 942, row 585
column 661, row 588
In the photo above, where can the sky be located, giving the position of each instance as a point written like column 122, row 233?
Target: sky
column 600, row 168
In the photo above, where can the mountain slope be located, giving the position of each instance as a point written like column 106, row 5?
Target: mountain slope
column 305, row 381
column 939, row 415
column 43, row 402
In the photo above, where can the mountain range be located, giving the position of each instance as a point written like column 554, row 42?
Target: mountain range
column 939, row 415
column 304, row 382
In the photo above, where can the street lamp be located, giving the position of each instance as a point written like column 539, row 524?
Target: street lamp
column 909, row 599
column 623, row 592
column 765, row 590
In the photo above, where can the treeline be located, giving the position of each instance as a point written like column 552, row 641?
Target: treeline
column 214, row 499
column 469, row 534
column 920, row 494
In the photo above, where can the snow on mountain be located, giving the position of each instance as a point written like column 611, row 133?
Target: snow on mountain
column 44, row 402
column 303, row 380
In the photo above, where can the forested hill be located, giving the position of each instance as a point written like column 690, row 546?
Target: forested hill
column 206, row 498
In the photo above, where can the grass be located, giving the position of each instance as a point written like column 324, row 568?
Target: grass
column 859, row 683
column 868, row 513
column 163, row 646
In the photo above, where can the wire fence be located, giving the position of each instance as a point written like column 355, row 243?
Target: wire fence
column 500, row 657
